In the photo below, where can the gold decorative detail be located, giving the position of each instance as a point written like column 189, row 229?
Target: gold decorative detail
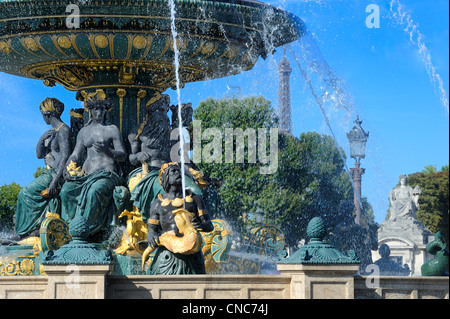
column 127, row 73
column 52, row 215
column 4, row 48
column 202, row 212
column 216, row 246
column 198, row 178
column 72, row 113
column 176, row 202
column 140, row 95
column 139, row 42
column 101, row 41
column 32, row 241
column 163, row 168
column 156, row 98
column 31, row 44
column 98, row 95
column 64, row 42
column 161, row 75
column 136, row 179
column 71, row 77
column 181, row 44
column 18, row 268
column 41, row 270
column 48, row 105
column 121, row 93
column 189, row 243
column 136, row 231
column 54, row 232
column 154, row 221
column 75, row 170
column 208, row 48
column 189, row 199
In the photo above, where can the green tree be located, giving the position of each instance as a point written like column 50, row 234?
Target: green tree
column 311, row 172
column 8, row 200
column 241, row 183
column 310, row 179
column 434, row 201
column 39, row 171
column 430, row 169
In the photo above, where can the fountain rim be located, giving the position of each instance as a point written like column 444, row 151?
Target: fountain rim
column 244, row 3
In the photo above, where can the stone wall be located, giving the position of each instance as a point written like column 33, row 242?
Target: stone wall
column 402, row 288
column 200, row 287
column 224, row 287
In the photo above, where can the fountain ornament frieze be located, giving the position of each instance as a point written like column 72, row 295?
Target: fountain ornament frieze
column 130, row 43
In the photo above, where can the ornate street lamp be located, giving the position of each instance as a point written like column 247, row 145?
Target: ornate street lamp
column 357, row 138
column 259, row 216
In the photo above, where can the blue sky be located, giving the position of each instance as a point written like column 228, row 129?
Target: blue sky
column 382, row 68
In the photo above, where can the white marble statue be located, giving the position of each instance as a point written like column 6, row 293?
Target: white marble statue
column 404, row 200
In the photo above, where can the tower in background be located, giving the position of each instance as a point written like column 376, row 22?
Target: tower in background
column 284, row 97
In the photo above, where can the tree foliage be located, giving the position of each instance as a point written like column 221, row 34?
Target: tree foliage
column 310, row 180
column 434, row 201
column 8, row 200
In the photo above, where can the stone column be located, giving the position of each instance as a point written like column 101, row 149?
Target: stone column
column 76, row 281
column 357, row 174
column 320, row 281
column 318, row 270
column 78, row 269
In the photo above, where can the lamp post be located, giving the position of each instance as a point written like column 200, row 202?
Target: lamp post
column 357, row 138
column 259, row 216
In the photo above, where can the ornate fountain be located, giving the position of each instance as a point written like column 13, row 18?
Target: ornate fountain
column 125, row 50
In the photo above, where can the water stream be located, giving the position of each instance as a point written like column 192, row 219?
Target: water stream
column 401, row 17
column 177, row 74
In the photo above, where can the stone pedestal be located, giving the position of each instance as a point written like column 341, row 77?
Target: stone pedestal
column 76, row 281
column 320, row 281
column 78, row 269
column 407, row 239
column 318, row 270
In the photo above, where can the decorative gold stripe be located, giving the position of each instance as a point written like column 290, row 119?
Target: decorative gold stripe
column 147, row 50
column 202, row 212
column 94, row 49
column 75, row 47
column 154, row 221
column 38, row 41
column 111, row 45
column 121, row 93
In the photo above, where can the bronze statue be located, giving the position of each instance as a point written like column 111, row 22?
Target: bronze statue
column 40, row 196
column 89, row 189
column 174, row 227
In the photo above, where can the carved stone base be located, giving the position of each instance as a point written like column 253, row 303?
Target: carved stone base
column 407, row 239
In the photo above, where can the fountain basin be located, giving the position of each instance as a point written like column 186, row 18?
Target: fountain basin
column 130, row 43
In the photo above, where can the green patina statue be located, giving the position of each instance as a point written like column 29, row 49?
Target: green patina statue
column 174, row 230
column 438, row 266
column 40, row 196
column 90, row 190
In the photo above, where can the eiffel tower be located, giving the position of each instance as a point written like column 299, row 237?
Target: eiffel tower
column 284, row 96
